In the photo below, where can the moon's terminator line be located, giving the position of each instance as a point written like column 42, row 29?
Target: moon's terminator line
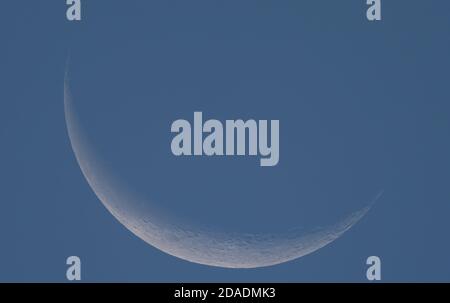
column 232, row 250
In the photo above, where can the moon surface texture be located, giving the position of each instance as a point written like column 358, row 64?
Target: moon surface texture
column 186, row 241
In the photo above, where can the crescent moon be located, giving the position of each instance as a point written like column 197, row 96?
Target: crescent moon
column 191, row 243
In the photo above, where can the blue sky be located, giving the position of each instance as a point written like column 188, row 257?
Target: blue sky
column 362, row 107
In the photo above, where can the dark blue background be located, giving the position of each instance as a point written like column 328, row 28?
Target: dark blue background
column 362, row 106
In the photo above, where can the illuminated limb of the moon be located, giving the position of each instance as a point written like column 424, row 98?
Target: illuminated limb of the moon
column 232, row 250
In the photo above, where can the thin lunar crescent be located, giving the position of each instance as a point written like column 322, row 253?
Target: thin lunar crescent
column 191, row 243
